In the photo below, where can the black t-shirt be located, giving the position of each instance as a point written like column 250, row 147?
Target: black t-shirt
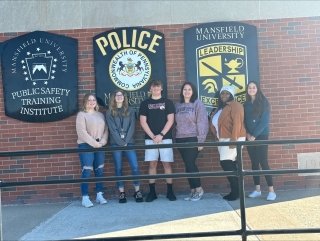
column 156, row 112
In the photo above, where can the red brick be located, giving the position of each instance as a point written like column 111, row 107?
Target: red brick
column 287, row 72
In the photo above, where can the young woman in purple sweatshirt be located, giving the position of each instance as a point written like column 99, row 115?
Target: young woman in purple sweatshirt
column 191, row 126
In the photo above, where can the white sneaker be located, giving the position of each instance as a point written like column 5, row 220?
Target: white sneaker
column 86, row 202
column 255, row 194
column 197, row 196
column 271, row 196
column 189, row 197
column 100, row 199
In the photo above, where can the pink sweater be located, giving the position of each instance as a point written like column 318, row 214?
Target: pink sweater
column 91, row 126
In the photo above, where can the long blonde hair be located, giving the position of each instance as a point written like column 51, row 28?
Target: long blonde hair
column 113, row 103
column 85, row 101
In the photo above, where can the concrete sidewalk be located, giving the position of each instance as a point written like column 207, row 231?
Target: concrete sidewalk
column 292, row 209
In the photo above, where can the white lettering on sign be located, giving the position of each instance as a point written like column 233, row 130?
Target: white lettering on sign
column 309, row 161
column 34, row 100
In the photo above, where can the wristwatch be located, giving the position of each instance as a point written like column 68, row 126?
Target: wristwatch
column 161, row 134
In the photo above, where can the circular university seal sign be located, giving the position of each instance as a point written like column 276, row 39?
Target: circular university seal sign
column 130, row 69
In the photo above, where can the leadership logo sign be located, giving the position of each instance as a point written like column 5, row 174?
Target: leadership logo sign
column 128, row 59
column 219, row 54
column 40, row 79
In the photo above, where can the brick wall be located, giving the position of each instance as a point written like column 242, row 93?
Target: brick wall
column 289, row 55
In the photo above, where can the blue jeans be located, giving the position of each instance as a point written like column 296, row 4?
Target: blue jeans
column 91, row 161
column 133, row 162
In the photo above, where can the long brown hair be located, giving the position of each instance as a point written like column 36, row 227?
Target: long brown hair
column 113, row 103
column 85, row 101
column 260, row 103
column 194, row 92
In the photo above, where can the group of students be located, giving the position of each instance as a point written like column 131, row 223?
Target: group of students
column 231, row 121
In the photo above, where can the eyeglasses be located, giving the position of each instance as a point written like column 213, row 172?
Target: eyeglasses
column 118, row 95
column 225, row 93
column 92, row 100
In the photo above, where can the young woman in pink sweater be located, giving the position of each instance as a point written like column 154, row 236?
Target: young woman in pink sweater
column 92, row 133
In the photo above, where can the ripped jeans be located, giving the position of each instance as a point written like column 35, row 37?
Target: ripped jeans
column 91, row 161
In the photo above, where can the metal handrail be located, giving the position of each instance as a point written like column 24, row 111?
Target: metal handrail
column 240, row 174
column 173, row 145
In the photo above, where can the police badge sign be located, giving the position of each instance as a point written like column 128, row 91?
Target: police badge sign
column 40, row 79
column 124, row 58
column 218, row 54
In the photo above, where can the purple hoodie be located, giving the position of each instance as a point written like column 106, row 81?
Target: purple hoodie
column 191, row 120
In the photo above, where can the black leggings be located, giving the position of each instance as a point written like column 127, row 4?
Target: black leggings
column 229, row 165
column 259, row 158
column 189, row 157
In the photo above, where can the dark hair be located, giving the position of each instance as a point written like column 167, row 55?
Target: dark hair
column 221, row 104
column 260, row 103
column 155, row 83
column 194, row 92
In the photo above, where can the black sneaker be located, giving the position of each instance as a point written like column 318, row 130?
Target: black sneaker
column 151, row 196
column 138, row 197
column 231, row 197
column 122, row 197
column 171, row 196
